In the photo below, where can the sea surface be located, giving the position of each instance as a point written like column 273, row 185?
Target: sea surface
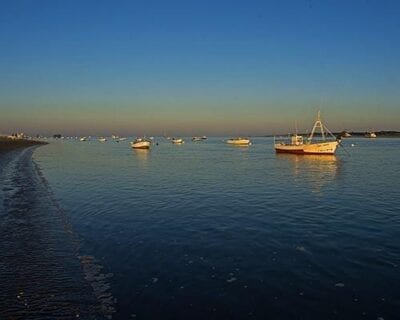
column 202, row 230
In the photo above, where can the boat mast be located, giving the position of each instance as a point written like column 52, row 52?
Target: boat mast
column 318, row 124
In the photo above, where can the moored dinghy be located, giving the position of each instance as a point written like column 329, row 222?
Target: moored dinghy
column 299, row 146
column 239, row 141
column 199, row 138
column 141, row 143
column 177, row 141
column 370, row 135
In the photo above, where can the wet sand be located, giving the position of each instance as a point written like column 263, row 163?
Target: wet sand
column 42, row 275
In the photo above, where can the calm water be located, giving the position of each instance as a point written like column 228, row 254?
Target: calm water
column 209, row 231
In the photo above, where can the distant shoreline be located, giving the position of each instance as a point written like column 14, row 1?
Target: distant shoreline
column 8, row 144
column 384, row 134
column 379, row 134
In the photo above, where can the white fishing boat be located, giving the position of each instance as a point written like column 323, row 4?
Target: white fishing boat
column 177, row 141
column 102, row 139
column 83, row 139
column 299, row 146
column 114, row 137
column 370, row 134
column 239, row 141
column 141, row 143
column 122, row 139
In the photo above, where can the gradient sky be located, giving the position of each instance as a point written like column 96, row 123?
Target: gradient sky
column 198, row 67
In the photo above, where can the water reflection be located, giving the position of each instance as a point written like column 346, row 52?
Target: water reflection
column 242, row 146
column 318, row 170
column 142, row 156
column 248, row 232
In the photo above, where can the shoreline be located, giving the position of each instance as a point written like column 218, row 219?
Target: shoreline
column 7, row 144
column 37, row 244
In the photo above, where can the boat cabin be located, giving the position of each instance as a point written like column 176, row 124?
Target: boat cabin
column 297, row 140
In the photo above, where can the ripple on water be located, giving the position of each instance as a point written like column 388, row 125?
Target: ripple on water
column 282, row 229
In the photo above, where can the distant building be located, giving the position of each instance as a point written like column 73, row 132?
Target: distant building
column 19, row 135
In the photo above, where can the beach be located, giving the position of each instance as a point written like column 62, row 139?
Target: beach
column 41, row 274
column 8, row 144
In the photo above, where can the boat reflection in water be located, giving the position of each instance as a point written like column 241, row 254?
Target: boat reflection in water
column 142, row 156
column 318, row 170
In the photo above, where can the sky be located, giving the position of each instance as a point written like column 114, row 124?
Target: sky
column 198, row 67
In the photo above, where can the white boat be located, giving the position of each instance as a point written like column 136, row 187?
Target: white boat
column 121, row 139
column 370, row 134
column 345, row 134
column 114, row 137
column 177, row 141
column 299, row 146
column 102, row 139
column 199, row 138
column 83, row 139
column 141, row 143
column 239, row 141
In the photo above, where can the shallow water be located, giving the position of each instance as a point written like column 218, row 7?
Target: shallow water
column 208, row 230
column 40, row 274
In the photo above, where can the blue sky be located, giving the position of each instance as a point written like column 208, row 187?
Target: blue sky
column 198, row 67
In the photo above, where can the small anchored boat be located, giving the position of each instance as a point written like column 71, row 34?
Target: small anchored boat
column 239, row 141
column 345, row 134
column 141, row 143
column 297, row 144
column 370, row 135
column 102, row 139
column 83, row 139
column 177, row 141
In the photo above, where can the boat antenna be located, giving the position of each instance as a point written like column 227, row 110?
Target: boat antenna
column 318, row 124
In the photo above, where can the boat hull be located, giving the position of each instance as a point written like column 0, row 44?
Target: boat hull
column 312, row 148
column 238, row 142
column 141, row 145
